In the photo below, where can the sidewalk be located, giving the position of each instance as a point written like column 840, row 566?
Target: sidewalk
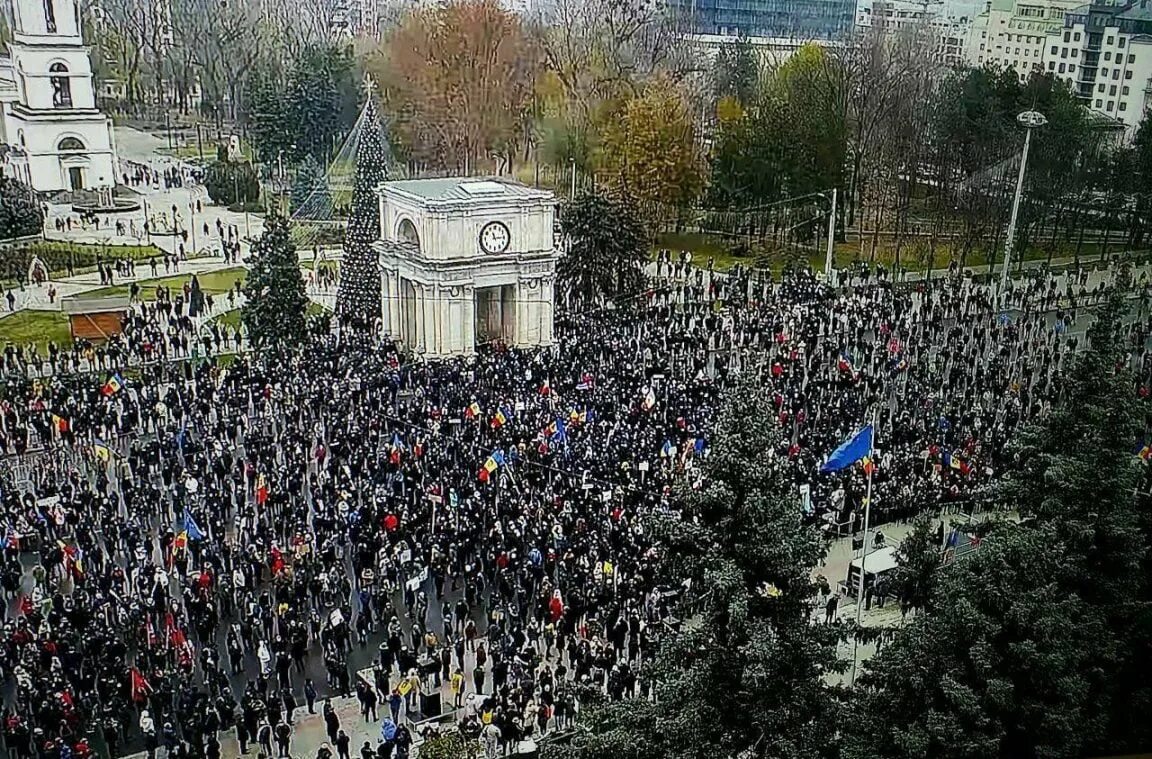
column 308, row 733
column 35, row 297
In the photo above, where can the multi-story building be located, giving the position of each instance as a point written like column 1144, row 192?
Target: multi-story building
column 1013, row 33
column 805, row 20
column 944, row 25
column 48, row 115
column 1104, row 52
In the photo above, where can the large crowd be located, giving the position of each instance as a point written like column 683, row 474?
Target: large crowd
column 208, row 545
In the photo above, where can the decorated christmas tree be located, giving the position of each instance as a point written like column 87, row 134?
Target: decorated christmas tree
column 358, row 296
column 275, row 302
column 311, row 197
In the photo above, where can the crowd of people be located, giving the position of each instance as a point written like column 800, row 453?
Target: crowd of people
column 205, row 547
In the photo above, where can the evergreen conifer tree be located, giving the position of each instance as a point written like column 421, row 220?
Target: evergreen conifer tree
column 1037, row 644
column 275, row 304
column 358, row 296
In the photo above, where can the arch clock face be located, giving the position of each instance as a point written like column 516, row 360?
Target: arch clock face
column 494, row 237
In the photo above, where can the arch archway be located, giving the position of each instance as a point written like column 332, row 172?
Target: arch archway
column 406, row 232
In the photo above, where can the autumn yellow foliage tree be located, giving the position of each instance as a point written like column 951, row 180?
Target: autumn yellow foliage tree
column 649, row 150
column 457, row 83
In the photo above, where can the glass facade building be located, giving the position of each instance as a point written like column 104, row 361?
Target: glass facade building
column 790, row 19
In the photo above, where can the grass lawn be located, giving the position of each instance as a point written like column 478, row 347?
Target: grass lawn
column 212, row 282
column 36, row 328
column 328, row 264
column 232, row 318
column 716, row 247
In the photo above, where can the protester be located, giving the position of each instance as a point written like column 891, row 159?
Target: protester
column 202, row 535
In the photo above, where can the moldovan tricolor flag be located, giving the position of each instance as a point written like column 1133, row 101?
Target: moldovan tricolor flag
column 59, row 423
column 261, row 490
column 113, row 385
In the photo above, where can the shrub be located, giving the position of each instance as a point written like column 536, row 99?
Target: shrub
column 231, row 182
column 20, row 212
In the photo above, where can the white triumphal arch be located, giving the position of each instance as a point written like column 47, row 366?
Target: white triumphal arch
column 465, row 262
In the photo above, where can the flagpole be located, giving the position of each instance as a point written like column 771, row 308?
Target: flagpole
column 864, row 554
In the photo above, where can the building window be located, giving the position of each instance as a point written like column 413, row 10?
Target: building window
column 1123, row 106
column 50, row 16
column 1115, row 73
column 1107, row 56
column 61, row 85
column 1131, row 58
column 1112, row 90
column 1111, row 40
column 1099, row 102
column 69, row 143
column 1071, row 67
column 1061, row 69
column 1065, row 36
column 1128, row 74
column 1111, row 105
column 1100, row 88
column 1124, row 90
column 1120, row 42
column 1076, row 37
column 1104, row 72
column 1075, row 52
column 1052, row 65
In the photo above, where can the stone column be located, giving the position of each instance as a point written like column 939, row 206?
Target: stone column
column 431, row 322
column 468, row 323
column 547, row 310
column 418, row 312
column 527, row 312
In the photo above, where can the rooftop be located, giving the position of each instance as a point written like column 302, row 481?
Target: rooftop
column 464, row 188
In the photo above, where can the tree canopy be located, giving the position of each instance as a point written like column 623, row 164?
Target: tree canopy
column 606, row 249
column 20, row 212
column 275, row 300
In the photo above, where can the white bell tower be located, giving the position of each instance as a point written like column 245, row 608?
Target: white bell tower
column 48, row 114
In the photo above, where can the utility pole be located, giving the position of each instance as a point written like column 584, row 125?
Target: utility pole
column 831, row 239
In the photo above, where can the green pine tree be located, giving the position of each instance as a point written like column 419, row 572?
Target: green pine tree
column 607, row 249
column 275, row 302
column 358, row 296
column 20, row 212
column 745, row 676
column 918, row 558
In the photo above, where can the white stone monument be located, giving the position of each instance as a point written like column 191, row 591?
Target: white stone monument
column 48, row 110
column 466, row 262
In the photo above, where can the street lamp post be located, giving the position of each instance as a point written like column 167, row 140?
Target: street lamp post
column 831, row 239
column 1029, row 120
